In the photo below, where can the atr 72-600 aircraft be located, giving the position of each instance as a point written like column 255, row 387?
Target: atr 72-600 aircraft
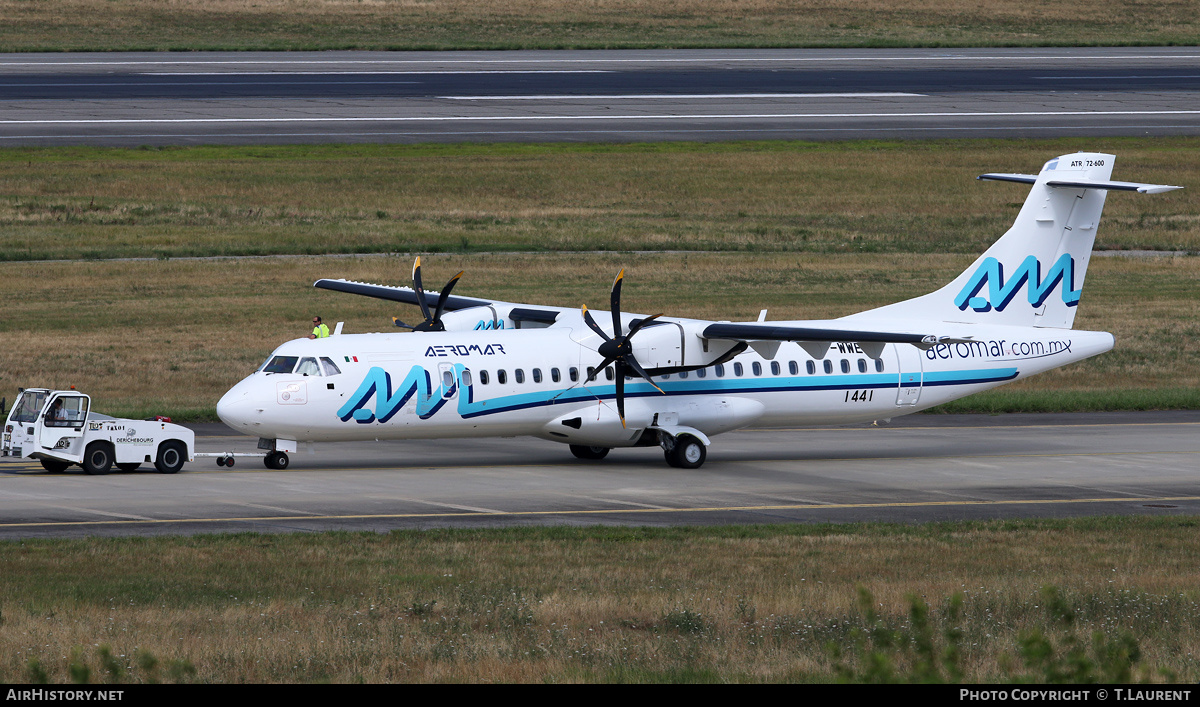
column 595, row 381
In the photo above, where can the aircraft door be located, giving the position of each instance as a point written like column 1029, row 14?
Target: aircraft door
column 449, row 383
column 909, row 364
column 61, row 424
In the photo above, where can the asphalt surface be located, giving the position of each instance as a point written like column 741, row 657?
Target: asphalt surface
column 305, row 97
column 916, row 469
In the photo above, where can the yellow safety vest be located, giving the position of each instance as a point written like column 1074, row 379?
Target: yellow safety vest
column 321, row 331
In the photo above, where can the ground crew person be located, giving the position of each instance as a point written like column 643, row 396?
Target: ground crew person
column 320, row 331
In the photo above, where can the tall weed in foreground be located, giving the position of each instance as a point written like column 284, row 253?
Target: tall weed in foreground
column 919, row 653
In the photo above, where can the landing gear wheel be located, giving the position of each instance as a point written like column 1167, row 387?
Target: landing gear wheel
column 171, row 456
column 276, row 460
column 97, row 459
column 132, row 466
column 585, row 452
column 688, row 453
column 55, row 465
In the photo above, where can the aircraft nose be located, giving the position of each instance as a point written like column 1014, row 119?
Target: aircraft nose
column 236, row 408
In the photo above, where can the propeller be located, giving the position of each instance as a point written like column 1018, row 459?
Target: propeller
column 433, row 321
column 617, row 348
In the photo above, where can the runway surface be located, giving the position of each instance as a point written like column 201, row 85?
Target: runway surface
column 307, row 97
column 922, row 468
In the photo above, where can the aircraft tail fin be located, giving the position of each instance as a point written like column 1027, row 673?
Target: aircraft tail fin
column 1033, row 275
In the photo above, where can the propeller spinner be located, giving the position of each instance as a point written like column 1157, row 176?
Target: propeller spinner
column 433, row 320
column 617, row 348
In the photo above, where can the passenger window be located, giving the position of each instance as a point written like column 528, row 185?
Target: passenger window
column 720, row 369
column 519, row 375
column 810, row 367
column 683, row 374
column 701, row 373
column 845, row 366
column 608, row 373
column 775, row 368
column 466, row 378
column 793, row 368
column 573, row 372
column 862, row 365
column 591, row 373
column 555, row 376
column 537, row 375
column 501, row 377
column 828, row 365
column 447, row 380
column 483, row 377
column 737, row 369
column 308, row 367
column 879, row 365
column 329, row 367
column 757, row 368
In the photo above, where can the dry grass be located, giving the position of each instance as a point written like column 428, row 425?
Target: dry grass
column 171, row 336
column 462, row 24
column 586, row 605
column 775, row 196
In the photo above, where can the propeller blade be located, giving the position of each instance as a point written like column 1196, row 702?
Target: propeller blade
column 621, row 392
column 632, row 363
column 616, row 304
column 587, row 319
column 641, row 323
column 397, row 322
column 416, row 278
column 597, row 370
column 441, row 303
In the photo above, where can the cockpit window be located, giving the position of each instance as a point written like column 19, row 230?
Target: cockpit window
column 329, row 367
column 308, row 367
column 281, row 364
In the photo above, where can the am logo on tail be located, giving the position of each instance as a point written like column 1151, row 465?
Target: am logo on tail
column 477, row 367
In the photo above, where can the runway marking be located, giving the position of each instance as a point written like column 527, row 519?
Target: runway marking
column 647, row 116
column 470, row 509
column 271, row 508
column 597, row 131
column 367, row 73
column 1078, row 78
column 609, row 511
column 656, row 96
column 132, row 518
column 714, row 59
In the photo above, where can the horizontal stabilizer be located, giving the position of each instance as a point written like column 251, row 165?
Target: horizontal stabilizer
column 1082, row 183
column 397, row 294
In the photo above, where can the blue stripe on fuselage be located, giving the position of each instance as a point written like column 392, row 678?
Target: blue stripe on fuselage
column 710, row 386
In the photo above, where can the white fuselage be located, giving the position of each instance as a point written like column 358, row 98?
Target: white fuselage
column 519, row 382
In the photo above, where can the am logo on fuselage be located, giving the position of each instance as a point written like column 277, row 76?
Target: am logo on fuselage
column 1029, row 274
column 388, row 401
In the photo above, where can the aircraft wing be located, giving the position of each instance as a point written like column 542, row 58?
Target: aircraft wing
column 816, row 336
column 398, row 294
column 825, row 331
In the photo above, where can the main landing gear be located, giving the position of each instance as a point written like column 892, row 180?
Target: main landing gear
column 276, row 460
column 684, row 451
column 681, row 451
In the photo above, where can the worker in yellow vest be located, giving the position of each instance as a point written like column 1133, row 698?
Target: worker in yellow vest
column 320, row 331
